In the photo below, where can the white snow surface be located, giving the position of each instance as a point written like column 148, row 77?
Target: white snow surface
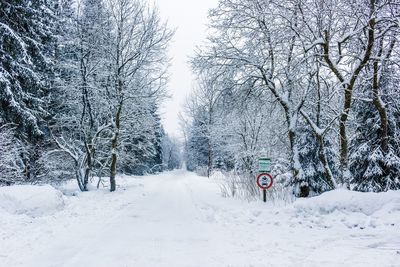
column 180, row 219
column 31, row 200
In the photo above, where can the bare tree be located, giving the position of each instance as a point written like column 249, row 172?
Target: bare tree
column 267, row 53
column 81, row 117
column 138, row 54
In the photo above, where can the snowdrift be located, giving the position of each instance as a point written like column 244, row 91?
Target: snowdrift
column 353, row 209
column 350, row 201
column 31, row 200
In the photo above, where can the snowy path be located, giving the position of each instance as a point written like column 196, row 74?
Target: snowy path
column 179, row 219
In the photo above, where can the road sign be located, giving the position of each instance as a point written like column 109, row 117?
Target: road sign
column 264, row 180
column 264, row 165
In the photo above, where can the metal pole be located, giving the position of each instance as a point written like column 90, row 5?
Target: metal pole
column 265, row 195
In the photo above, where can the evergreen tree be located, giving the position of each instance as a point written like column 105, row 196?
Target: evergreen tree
column 313, row 171
column 11, row 165
column 141, row 148
column 374, row 170
column 171, row 153
column 156, row 161
column 197, row 146
column 26, row 30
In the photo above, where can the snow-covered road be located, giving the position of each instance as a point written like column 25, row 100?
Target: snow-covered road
column 179, row 219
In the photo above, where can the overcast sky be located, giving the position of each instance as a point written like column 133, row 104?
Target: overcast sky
column 189, row 17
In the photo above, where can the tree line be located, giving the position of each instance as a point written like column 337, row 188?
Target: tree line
column 311, row 83
column 80, row 86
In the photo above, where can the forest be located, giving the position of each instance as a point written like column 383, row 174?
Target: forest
column 311, row 84
column 80, row 86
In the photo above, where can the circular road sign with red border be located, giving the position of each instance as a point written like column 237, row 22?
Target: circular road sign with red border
column 264, row 180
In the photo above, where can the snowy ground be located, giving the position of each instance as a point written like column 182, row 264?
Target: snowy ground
column 179, row 219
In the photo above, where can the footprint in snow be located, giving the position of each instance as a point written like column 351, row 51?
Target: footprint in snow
column 256, row 213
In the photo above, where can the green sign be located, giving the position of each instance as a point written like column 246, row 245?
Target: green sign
column 264, row 164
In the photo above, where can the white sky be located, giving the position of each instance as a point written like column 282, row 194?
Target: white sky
column 189, row 17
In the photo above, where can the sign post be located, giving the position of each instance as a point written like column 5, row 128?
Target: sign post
column 264, row 165
column 264, row 195
column 264, row 181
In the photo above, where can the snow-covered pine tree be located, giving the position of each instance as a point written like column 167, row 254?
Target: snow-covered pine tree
column 372, row 169
column 65, row 57
column 141, row 148
column 375, row 149
column 197, row 146
column 11, row 165
column 156, row 161
column 26, row 30
column 313, row 170
column 171, row 153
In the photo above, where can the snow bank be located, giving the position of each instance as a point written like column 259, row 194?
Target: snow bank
column 350, row 208
column 349, row 201
column 31, row 200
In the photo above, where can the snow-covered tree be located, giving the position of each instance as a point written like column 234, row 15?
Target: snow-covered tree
column 376, row 168
column 80, row 115
column 137, row 50
column 11, row 150
column 197, row 144
column 270, row 54
column 26, row 32
column 141, row 142
column 171, row 154
column 309, row 56
column 314, row 170
column 347, row 36
column 374, row 148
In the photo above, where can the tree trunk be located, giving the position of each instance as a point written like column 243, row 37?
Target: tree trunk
column 295, row 161
column 114, row 147
column 322, row 157
column 78, row 176
column 380, row 106
column 378, row 103
column 210, row 154
column 320, row 138
column 88, row 166
column 113, row 162
column 344, row 150
column 348, row 90
column 209, row 161
column 322, row 154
